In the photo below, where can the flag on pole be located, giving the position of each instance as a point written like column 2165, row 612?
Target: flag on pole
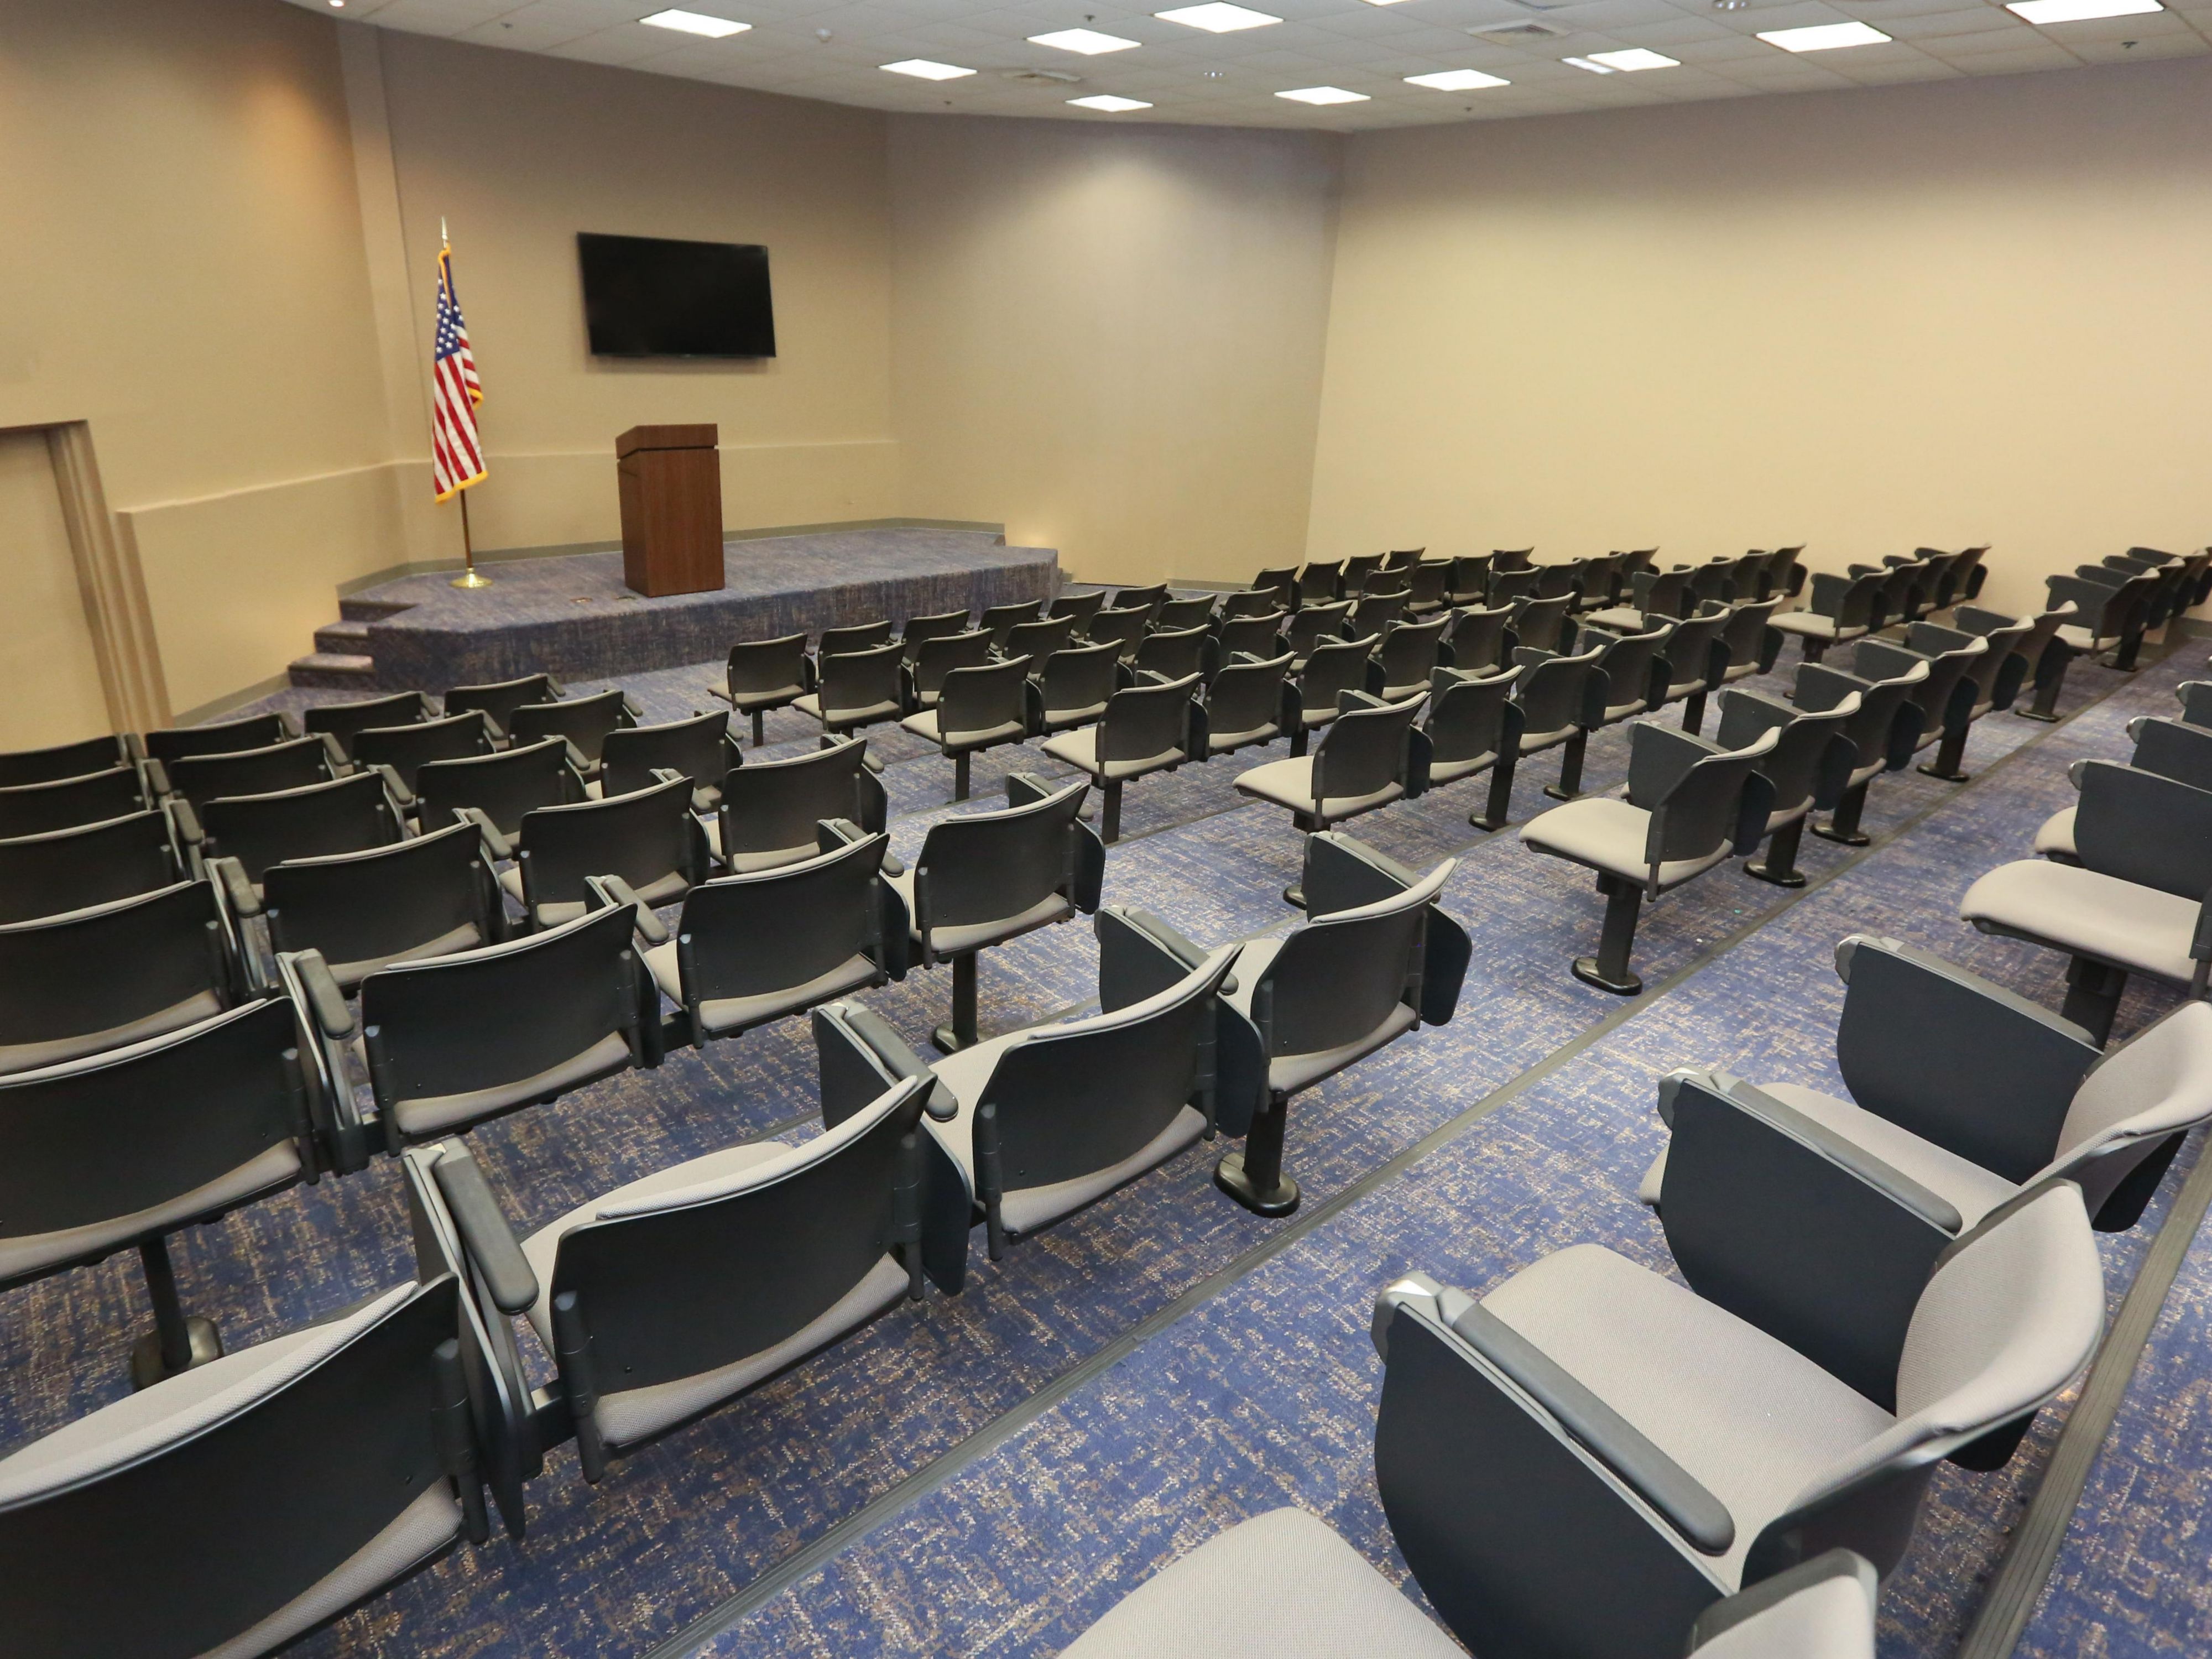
column 456, row 451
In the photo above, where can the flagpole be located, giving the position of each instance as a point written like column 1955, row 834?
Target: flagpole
column 470, row 576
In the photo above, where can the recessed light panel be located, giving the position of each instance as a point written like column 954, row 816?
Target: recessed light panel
column 1322, row 95
column 922, row 69
column 1456, row 81
column 1635, row 57
column 1089, row 42
column 1589, row 63
column 1109, row 103
column 1824, row 37
column 696, row 23
column 1218, row 17
column 2040, row 12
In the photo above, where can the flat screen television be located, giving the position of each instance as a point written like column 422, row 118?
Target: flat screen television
column 645, row 297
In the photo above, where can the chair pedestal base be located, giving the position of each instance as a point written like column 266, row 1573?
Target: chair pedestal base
column 1608, row 970
column 2093, row 997
column 1586, row 968
column 1780, row 864
column 760, row 734
column 960, row 1033
column 1843, row 824
column 203, row 1343
column 1277, row 1201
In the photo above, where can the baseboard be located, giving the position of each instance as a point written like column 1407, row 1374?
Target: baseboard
column 506, row 555
column 223, row 705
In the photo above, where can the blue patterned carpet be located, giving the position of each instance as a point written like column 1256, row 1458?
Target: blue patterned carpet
column 1164, row 1364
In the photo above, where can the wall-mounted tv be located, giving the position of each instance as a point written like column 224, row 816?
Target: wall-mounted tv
column 648, row 297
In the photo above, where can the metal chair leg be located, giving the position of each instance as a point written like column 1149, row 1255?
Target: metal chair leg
column 1608, row 969
column 961, row 1032
column 1780, row 864
column 1253, row 1176
column 177, row 1341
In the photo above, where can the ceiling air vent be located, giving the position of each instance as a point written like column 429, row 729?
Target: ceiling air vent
column 1528, row 33
column 1043, row 77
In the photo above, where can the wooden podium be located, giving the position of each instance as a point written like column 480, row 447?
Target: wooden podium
column 671, row 509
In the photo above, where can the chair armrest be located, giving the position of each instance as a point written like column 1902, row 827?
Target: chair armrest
column 486, row 1236
column 326, row 1003
column 402, row 796
column 238, row 891
column 334, row 753
column 1818, row 1242
column 1659, row 757
column 617, row 891
column 1959, row 1062
column 848, row 1028
column 1140, row 956
column 493, row 729
column 632, row 707
column 831, row 834
column 1025, row 788
column 579, row 762
column 186, row 820
column 496, row 846
column 157, row 777
column 554, row 686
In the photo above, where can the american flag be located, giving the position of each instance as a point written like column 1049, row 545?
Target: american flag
column 456, row 451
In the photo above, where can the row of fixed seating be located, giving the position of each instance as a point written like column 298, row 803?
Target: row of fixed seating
column 644, row 1329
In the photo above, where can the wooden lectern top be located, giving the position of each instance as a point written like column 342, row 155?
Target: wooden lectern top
column 665, row 437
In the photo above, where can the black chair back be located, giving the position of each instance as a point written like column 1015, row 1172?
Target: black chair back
column 770, row 808
column 1406, row 657
column 861, row 688
column 1477, row 636
column 1174, row 653
column 768, row 673
column 346, row 815
column 219, row 738
column 500, row 698
column 983, row 706
column 407, row 749
column 1175, row 614
column 1146, row 722
column 1467, row 715
column 1469, row 581
column 646, row 837
column 1332, row 668
column 92, row 979
column 1691, row 664
column 1802, row 766
column 1317, row 621
column 1149, row 597
column 344, row 721
column 1244, row 702
column 288, row 765
column 1000, row 620
column 72, row 869
column 859, row 636
column 1887, row 724
column 1258, row 635
column 1356, row 571
column 2139, row 827
column 1039, row 639
column 941, row 655
column 1271, row 590
column 1751, row 643
column 1124, row 626
column 1320, row 582
column 1363, row 751
column 919, row 630
column 67, row 760
column 699, row 748
column 430, row 895
column 776, row 930
column 1080, row 606
column 502, row 786
column 1074, row 684
column 1338, row 978
column 983, row 868
column 584, row 721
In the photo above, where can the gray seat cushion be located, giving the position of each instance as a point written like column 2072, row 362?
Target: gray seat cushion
column 1279, row 1586
column 1607, row 834
column 954, row 941
column 29, row 1056
column 1290, row 783
column 721, row 1014
column 1752, row 1421
column 273, row 1167
column 2056, row 836
column 1080, row 750
column 2137, row 929
column 928, row 724
column 1810, row 624
column 435, row 1114
column 663, row 890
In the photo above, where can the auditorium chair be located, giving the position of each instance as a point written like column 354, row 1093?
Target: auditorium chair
column 497, row 701
column 1656, row 596
column 1371, row 756
column 1481, row 638
column 1961, row 1095
column 1408, row 655
column 1282, row 1585
column 1174, row 614
column 584, row 721
column 243, row 835
column 312, row 1470
column 291, row 764
column 1809, row 767
column 701, row 748
column 1244, row 702
column 2042, row 652
column 1783, row 577
column 1271, row 590
column 1071, row 686
column 1426, row 584
column 450, row 1042
column 111, row 1151
column 979, row 707
column 858, row 688
column 1991, row 681
column 1696, row 663
column 2135, row 903
column 1600, row 581
column 1374, row 611
column 1469, row 581
column 771, row 809
column 754, row 948
column 764, row 674
column 63, row 870
column 1558, row 698
column 1256, row 635
column 1967, row 574
column 982, row 878
column 1154, row 725
column 1713, row 582
column 947, row 654
column 1321, row 581
column 344, row 721
column 1542, row 622
column 2172, row 749
column 1050, row 1118
column 68, row 760
column 1309, row 627
column 493, row 791
column 1174, row 653
column 1355, row 572
column 1841, row 609
column 1750, row 640
column 1374, row 959
column 2113, row 612
column 1081, row 607
column 855, row 636
column 1314, row 692
column 1472, row 725
column 670, row 1296
column 1636, row 677
column 1884, row 733
column 647, row 838
column 1589, row 1456
column 1945, row 698
column 1561, row 580
column 2169, row 576
column 1000, row 620
column 1124, row 628
column 1903, row 588
column 406, row 749
column 919, row 630
column 1152, row 597
column 1038, row 639
column 111, row 974
column 1511, row 558
column 220, row 736
column 1690, row 803
column 431, row 895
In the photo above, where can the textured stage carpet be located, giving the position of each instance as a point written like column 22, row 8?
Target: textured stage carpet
column 984, row 1475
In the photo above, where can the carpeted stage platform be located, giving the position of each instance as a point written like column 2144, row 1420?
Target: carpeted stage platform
column 573, row 616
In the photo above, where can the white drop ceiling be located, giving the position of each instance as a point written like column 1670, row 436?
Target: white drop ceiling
column 832, row 49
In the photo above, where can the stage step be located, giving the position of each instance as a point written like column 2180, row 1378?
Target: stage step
column 344, row 639
column 369, row 610
column 335, row 670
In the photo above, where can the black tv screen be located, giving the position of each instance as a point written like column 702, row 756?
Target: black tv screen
column 648, row 297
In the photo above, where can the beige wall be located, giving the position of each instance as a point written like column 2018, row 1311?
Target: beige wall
column 1110, row 341
column 519, row 152
column 46, row 657
column 1950, row 313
